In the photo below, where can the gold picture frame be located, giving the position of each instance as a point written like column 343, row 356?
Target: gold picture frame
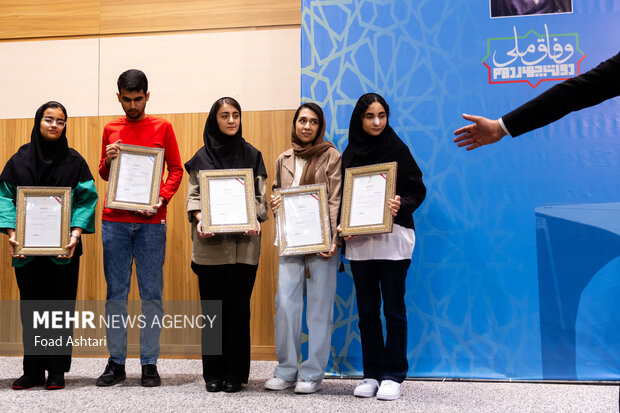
column 138, row 187
column 223, row 208
column 369, row 218
column 293, row 232
column 42, row 228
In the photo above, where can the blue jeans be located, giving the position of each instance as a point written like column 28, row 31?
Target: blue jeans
column 320, row 291
column 122, row 243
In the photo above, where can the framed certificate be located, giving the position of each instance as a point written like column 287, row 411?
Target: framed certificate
column 227, row 200
column 43, row 220
column 365, row 208
column 135, row 176
column 303, row 221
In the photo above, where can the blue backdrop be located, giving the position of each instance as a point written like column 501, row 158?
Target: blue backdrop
column 515, row 273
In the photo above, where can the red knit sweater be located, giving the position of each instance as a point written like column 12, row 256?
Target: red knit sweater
column 152, row 132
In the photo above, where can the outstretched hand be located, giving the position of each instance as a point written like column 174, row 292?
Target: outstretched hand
column 482, row 132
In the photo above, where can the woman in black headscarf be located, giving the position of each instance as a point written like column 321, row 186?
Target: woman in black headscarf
column 226, row 264
column 47, row 161
column 380, row 262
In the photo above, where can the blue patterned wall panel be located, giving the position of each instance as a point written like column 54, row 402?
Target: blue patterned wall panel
column 473, row 288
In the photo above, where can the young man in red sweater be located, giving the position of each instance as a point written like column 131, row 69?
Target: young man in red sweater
column 139, row 236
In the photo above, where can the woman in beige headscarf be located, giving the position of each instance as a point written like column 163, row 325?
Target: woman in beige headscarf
column 311, row 160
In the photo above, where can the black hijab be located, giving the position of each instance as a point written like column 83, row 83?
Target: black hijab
column 225, row 152
column 43, row 163
column 364, row 149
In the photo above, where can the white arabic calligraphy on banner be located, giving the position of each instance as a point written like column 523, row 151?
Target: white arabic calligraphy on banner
column 533, row 57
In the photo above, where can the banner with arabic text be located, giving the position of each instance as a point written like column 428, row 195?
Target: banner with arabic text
column 516, row 268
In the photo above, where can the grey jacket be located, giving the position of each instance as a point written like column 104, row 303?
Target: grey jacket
column 225, row 248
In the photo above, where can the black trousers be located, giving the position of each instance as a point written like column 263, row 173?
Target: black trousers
column 45, row 286
column 376, row 279
column 232, row 284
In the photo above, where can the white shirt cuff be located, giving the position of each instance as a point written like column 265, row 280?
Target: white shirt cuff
column 501, row 123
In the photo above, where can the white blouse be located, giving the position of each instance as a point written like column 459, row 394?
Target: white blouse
column 299, row 168
column 397, row 245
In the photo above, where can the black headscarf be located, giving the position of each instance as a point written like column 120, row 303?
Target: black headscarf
column 225, row 152
column 364, row 149
column 43, row 163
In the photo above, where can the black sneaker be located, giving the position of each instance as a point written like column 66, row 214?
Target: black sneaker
column 27, row 382
column 150, row 377
column 114, row 373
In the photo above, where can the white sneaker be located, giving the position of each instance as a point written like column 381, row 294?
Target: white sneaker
column 389, row 390
column 307, row 387
column 276, row 383
column 366, row 388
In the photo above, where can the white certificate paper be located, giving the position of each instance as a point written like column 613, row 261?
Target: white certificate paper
column 135, row 176
column 302, row 220
column 42, row 222
column 227, row 203
column 367, row 200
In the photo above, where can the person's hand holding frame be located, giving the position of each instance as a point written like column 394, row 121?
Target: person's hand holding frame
column 43, row 219
column 228, row 202
column 135, row 178
column 368, row 199
column 303, row 220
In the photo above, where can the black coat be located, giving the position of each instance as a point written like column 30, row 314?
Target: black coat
column 587, row 89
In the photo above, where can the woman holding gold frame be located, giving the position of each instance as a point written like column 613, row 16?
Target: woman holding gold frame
column 379, row 262
column 47, row 161
column 226, row 263
column 311, row 160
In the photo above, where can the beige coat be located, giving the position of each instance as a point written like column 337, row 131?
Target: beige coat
column 327, row 172
column 225, row 248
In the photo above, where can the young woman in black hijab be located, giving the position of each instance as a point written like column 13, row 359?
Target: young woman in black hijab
column 47, row 161
column 226, row 264
column 380, row 262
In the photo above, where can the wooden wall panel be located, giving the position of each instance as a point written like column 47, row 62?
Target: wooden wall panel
column 26, row 81
column 12, row 136
column 43, row 18
column 143, row 16
column 188, row 71
column 269, row 131
column 62, row 18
